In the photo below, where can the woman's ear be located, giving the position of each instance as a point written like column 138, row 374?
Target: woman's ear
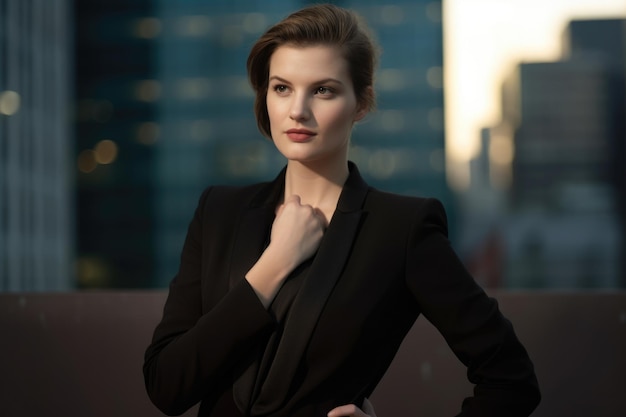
column 361, row 113
column 363, row 107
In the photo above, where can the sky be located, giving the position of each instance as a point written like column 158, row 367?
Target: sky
column 483, row 42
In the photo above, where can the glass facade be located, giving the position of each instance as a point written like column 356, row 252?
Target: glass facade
column 208, row 134
column 97, row 190
column 36, row 190
column 164, row 85
column 115, row 113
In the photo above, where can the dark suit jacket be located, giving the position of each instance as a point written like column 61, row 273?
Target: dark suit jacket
column 383, row 260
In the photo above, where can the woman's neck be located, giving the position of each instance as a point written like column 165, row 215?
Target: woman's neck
column 318, row 186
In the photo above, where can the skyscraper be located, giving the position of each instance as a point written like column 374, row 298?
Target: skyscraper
column 564, row 136
column 36, row 204
column 208, row 132
column 116, row 91
column 605, row 39
column 568, row 174
column 167, row 84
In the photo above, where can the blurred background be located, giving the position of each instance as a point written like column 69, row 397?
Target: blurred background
column 115, row 114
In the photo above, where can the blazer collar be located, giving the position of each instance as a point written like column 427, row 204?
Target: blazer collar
column 334, row 250
column 255, row 223
column 351, row 198
column 354, row 191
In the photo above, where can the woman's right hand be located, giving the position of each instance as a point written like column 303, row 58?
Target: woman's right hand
column 296, row 235
column 297, row 231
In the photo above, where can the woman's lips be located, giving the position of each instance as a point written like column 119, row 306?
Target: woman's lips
column 299, row 135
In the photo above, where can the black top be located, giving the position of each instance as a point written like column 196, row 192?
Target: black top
column 246, row 388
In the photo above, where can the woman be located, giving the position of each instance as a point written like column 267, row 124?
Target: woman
column 293, row 296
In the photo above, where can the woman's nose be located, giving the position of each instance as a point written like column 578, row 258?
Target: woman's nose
column 299, row 109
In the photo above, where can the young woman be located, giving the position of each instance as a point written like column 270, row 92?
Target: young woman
column 293, row 296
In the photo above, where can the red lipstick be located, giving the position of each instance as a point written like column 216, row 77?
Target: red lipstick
column 299, row 135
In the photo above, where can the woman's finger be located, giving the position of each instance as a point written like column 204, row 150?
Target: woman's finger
column 322, row 218
column 348, row 410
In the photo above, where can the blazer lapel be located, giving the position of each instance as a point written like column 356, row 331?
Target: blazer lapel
column 254, row 229
column 252, row 237
column 325, row 270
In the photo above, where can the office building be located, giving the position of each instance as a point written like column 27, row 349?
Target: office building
column 36, row 199
column 191, row 124
column 115, row 113
column 567, row 125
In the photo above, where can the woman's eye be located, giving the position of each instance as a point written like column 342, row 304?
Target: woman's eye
column 280, row 88
column 323, row 90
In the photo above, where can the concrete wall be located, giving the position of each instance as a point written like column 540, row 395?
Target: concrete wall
column 80, row 354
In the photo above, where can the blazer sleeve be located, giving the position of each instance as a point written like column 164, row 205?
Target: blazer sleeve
column 471, row 323
column 192, row 353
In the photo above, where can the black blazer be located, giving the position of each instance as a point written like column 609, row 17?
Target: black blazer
column 383, row 260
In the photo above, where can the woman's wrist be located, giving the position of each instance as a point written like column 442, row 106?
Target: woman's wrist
column 267, row 275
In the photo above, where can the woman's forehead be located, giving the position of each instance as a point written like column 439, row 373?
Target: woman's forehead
column 317, row 61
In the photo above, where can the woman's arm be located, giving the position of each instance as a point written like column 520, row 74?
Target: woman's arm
column 191, row 352
column 296, row 234
column 473, row 326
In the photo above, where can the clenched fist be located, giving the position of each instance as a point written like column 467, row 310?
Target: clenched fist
column 296, row 235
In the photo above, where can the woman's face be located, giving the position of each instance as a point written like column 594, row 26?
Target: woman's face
column 311, row 103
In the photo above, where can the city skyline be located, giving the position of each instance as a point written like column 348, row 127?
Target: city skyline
column 182, row 119
column 163, row 108
column 479, row 56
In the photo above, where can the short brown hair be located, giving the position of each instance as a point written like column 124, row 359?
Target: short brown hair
column 322, row 24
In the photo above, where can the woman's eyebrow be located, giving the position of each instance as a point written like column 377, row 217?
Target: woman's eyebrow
column 322, row 81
